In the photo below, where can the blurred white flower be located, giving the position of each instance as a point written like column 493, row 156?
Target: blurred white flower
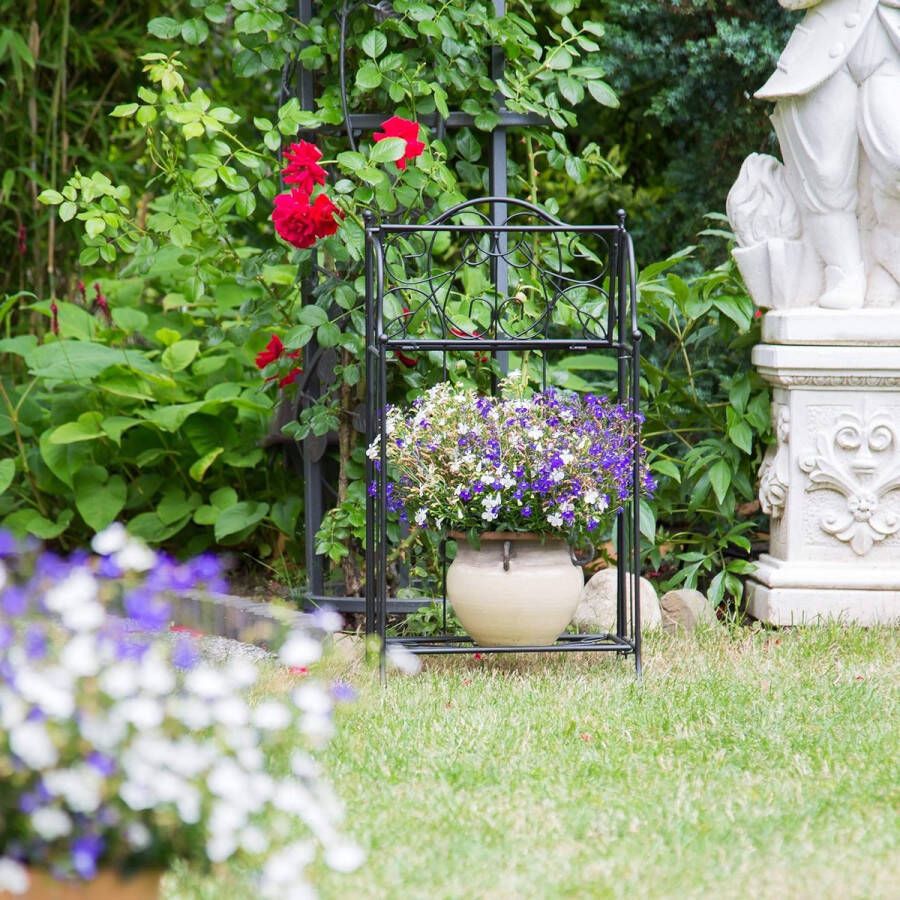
column 403, row 659
column 300, row 650
column 31, row 743
column 193, row 713
column 12, row 709
column 344, row 856
column 313, row 699
column 254, row 840
column 231, row 712
column 138, row 835
column 142, row 711
column 13, row 877
column 304, row 766
column 206, row 683
column 271, row 716
column 156, row 675
column 121, row 680
column 81, row 656
column 111, row 540
column 189, row 805
column 51, row 823
column 78, row 589
column 80, row 787
column 240, row 672
column 220, row 847
column 287, row 864
column 135, row 556
column 2, row 575
column 137, row 796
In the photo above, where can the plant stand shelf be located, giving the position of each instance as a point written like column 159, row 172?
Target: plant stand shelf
column 535, row 286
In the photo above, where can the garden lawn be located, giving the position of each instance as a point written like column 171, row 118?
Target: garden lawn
column 746, row 764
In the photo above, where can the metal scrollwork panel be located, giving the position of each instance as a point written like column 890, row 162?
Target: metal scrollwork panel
column 439, row 284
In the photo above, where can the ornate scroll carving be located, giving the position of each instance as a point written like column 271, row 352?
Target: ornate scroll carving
column 774, row 474
column 858, row 458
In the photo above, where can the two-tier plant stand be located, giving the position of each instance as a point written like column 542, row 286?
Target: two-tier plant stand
column 463, row 289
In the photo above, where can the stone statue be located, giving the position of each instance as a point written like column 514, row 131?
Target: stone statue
column 823, row 228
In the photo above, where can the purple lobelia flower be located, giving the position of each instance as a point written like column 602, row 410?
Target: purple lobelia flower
column 9, row 546
column 86, row 852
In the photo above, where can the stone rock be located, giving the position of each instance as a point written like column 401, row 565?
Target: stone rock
column 686, row 608
column 597, row 608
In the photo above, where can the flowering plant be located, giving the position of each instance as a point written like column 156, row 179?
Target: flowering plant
column 550, row 463
column 121, row 747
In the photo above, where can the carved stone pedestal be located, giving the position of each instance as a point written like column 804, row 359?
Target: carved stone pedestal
column 831, row 484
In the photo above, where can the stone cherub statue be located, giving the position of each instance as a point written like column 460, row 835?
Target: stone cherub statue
column 823, row 228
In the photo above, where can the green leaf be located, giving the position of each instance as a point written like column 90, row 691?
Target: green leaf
column 7, row 473
column 180, row 355
column 67, row 211
column 720, row 479
column 351, row 161
column 647, row 521
column 171, row 418
column 560, row 58
column 115, row 426
column 741, row 435
column 667, row 467
column 603, row 94
column 387, row 150
column 285, row 513
column 194, row 31
column 328, row 334
column 216, row 13
column 51, row 198
column 97, row 500
column 572, row 90
column 374, row 44
column 594, row 28
column 164, row 27
column 312, row 315
column 123, row 110
column 238, row 517
column 200, row 467
column 204, row 178
column 368, row 77
column 174, row 506
column 30, row 521
column 85, row 428
column 94, row 227
column 129, row 320
column 231, row 179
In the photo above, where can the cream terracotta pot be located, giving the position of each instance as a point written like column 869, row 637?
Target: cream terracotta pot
column 515, row 591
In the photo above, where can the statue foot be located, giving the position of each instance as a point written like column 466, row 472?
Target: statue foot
column 846, row 289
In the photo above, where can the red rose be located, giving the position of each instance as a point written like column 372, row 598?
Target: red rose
column 302, row 223
column 273, row 352
column 302, row 167
column 407, row 131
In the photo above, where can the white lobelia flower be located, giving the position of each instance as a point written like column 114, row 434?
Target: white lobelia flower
column 188, row 805
column 287, row 864
column 313, row 699
column 156, row 675
column 231, row 712
column 50, row 823
column 135, row 556
column 421, row 517
column 13, row 877
column 300, row 650
column 271, row 716
column 404, row 660
column 81, row 788
column 138, row 835
column 206, row 683
column 13, row 710
column 81, row 656
column 253, row 840
column 344, row 856
column 50, row 689
column 220, row 847
column 31, row 743
column 78, row 588
column 111, row 540
column 555, row 520
column 86, row 617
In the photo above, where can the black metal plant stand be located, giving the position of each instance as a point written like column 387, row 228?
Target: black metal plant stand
column 533, row 285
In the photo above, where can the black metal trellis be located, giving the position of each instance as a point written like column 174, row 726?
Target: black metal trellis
column 582, row 282
column 317, row 481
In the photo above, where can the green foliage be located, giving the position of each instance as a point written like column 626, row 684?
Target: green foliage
column 686, row 71
column 162, row 431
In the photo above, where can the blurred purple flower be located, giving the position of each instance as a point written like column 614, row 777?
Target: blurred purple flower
column 104, row 764
column 185, row 654
column 147, row 609
column 9, row 546
column 86, row 852
column 14, row 601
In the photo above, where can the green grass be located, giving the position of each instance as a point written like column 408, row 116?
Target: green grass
column 747, row 764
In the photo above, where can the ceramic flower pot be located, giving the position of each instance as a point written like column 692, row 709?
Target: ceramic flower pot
column 106, row 886
column 515, row 591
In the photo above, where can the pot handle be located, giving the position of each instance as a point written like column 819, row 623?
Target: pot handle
column 582, row 560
